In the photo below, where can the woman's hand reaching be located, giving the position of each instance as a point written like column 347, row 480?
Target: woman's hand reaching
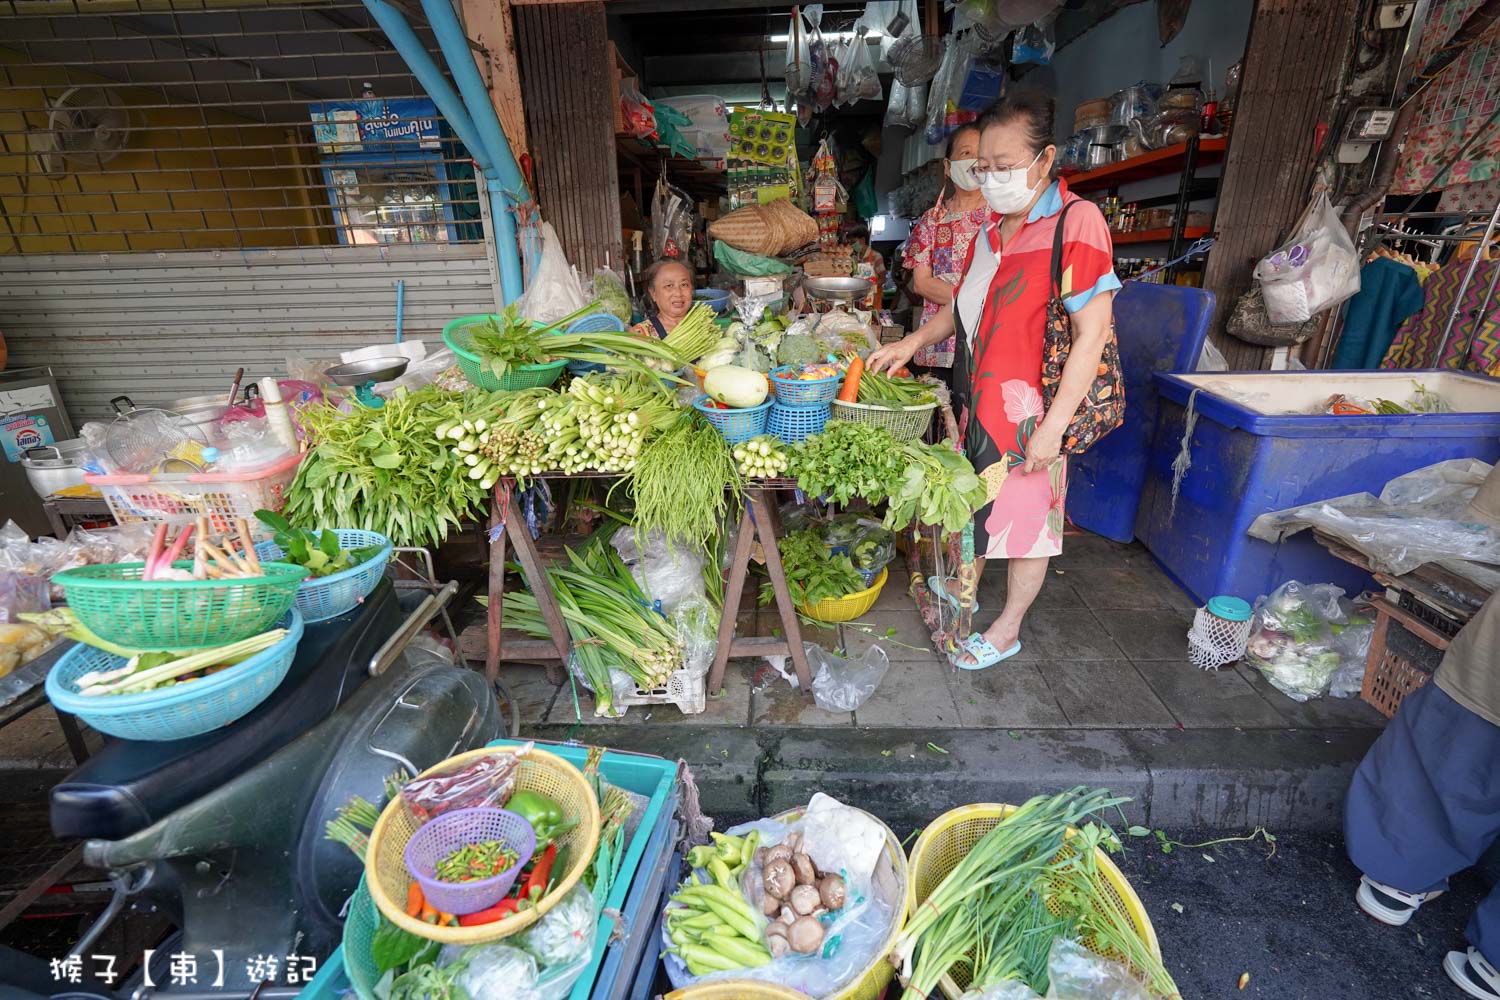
column 889, row 357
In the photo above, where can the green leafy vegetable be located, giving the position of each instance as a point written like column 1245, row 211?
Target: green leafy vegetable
column 813, row 572
column 681, row 480
column 391, row 947
column 318, row 552
column 848, row 460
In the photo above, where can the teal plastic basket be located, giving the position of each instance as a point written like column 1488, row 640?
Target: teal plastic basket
column 458, row 338
column 793, row 423
column 118, row 606
column 322, row 598
column 737, row 426
column 803, row 392
column 177, row 712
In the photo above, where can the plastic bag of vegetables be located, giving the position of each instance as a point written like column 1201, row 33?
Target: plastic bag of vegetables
column 562, row 943
column 499, row 970
column 1292, row 638
column 610, row 295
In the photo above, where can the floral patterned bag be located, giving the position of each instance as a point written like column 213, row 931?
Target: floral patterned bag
column 1103, row 406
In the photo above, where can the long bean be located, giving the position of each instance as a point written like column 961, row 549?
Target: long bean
column 685, row 481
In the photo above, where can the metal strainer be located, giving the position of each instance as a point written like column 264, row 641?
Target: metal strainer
column 140, row 439
column 915, row 58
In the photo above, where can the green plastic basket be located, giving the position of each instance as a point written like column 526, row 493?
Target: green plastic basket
column 458, row 338
column 174, row 615
column 906, row 423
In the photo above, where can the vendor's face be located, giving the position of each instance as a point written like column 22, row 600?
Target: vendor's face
column 672, row 291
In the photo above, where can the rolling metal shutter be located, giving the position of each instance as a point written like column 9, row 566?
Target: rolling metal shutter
column 161, row 326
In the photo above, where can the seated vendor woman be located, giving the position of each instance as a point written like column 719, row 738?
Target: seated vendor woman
column 669, row 296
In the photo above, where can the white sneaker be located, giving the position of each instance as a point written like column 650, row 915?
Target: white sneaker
column 1472, row 974
column 1390, row 905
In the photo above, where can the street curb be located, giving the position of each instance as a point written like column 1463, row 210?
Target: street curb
column 1218, row 779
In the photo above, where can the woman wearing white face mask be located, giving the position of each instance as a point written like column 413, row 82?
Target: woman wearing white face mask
column 940, row 242
column 1015, row 440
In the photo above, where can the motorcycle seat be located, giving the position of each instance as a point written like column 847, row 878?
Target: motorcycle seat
column 129, row 785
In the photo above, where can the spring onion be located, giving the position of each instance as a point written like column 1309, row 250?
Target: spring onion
column 694, row 335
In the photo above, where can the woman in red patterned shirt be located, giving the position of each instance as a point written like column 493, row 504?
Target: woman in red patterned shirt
column 940, row 243
column 999, row 316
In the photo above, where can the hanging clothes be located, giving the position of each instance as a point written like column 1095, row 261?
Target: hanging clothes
column 1389, row 292
column 1474, row 344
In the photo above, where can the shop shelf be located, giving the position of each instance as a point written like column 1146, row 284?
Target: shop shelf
column 1157, row 163
column 1163, row 235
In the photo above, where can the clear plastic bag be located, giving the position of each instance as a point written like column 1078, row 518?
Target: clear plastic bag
column 1353, row 644
column 1034, row 43
column 609, row 291
column 562, row 942
column 697, row 623
column 858, row 80
column 638, row 113
column 22, row 595
column 497, row 969
column 667, row 574
column 1316, row 269
column 1292, row 639
column 553, row 291
column 943, row 94
column 907, row 107
column 483, row 782
column 841, row 840
column 799, row 68
column 840, row 684
column 1078, row 974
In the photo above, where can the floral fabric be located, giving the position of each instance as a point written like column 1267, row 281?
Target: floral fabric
column 1453, row 108
column 1002, row 321
column 941, row 241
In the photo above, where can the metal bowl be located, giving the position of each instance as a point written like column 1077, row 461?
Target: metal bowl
column 366, row 371
column 839, row 289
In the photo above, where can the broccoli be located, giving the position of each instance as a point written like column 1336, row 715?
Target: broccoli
column 797, row 349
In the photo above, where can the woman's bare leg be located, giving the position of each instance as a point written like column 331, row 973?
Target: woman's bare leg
column 1024, row 579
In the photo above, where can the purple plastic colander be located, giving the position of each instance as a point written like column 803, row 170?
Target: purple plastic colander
column 438, row 838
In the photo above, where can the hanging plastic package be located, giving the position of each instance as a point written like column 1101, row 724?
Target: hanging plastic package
column 799, row 70
column 982, row 86
column 554, row 291
column 825, row 65
column 862, row 83
column 1034, row 44
column 907, row 107
column 1316, row 269
column 943, row 115
column 671, row 220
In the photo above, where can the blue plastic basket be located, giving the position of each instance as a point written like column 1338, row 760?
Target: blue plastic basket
column 599, row 322
column 716, row 299
column 793, row 423
column 176, row 712
column 736, row 425
column 803, row 392
column 330, row 596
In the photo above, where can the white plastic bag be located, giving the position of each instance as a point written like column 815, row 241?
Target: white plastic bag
column 857, row 78
column 943, row 95
column 1316, row 269
column 667, row 574
column 554, row 291
column 799, row 68
column 907, row 107
column 842, row 685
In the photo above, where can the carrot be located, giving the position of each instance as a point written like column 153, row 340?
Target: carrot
column 414, row 899
column 429, row 915
column 850, row 390
column 447, row 919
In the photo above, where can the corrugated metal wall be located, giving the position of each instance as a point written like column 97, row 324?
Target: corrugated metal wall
column 1294, row 58
column 565, row 82
column 160, row 326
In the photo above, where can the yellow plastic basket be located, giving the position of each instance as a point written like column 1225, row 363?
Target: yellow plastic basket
column 848, row 607
column 735, row 989
column 386, row 875
column 950, row 837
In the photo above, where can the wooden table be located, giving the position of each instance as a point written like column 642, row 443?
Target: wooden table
column 758, row 523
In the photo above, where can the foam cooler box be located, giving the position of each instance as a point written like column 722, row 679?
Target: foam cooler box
column 1259, row 446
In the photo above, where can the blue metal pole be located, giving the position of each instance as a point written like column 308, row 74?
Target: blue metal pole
column 410, row 48
column 512, row 282
column 455, row 45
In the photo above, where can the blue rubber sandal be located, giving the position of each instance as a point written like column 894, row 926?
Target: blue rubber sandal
column 940, row 587
column 984, row 653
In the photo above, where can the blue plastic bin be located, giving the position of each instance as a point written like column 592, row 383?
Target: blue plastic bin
column 1161, row 328
column 637, row 888
column 1247, row 462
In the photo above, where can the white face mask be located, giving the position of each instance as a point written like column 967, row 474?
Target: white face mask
column 1006, row 191
column 961, row 172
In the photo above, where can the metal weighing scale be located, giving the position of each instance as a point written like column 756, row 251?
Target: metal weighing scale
column 844, row 291
column 363, row 376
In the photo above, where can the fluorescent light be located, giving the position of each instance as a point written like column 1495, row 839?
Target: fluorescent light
column 870, row 36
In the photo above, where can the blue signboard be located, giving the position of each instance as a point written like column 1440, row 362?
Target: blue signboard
column 350, row 126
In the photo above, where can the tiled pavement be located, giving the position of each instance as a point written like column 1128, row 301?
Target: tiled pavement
column 1104, row 647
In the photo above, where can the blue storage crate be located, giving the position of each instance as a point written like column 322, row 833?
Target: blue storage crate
column 1246, row 462
column 643, row 983
column 634, row 895
column 1161, row 328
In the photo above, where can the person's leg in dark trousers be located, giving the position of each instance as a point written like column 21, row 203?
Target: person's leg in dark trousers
column 1425, row 803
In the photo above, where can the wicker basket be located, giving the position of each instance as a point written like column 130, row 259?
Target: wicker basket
column 735, row 989
column 950, row 837
column 848, row 607
column 906, row 423
column 386, row 875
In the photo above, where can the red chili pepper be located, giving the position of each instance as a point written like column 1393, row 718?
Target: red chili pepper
column 536, row 883
column 499, row 911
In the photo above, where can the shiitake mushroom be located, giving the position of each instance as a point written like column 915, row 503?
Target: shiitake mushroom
column 807, row 873
column 805, row 899
column 769, row 905
column 780, row 852
column 806, row 935
column 780, row 879
column 831, row 891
